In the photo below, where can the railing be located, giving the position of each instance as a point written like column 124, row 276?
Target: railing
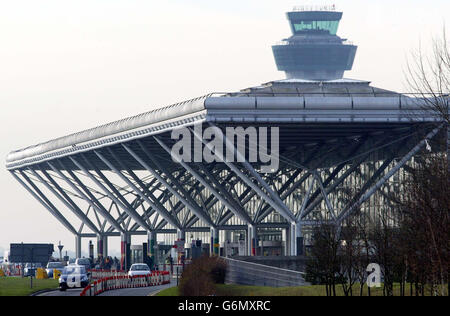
column 314, row 8
column 123, row 282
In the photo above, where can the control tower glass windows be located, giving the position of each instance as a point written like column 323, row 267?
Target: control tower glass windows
column 329, row 26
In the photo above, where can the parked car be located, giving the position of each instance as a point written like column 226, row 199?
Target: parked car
column 30, row 269
column 73, row 277
column 139, row 269
column 53, row 265
column 85, row 262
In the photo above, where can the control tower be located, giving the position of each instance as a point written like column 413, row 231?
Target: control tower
column 314, row 51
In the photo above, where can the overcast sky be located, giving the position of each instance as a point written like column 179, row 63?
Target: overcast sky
column 70, row 65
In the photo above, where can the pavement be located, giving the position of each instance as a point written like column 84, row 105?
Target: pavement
column 141, row 291
column 69, row 292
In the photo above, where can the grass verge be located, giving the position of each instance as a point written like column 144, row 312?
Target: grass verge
column 313, row 290
column 16, row 286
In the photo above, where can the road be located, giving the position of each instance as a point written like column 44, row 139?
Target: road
column 142, row 291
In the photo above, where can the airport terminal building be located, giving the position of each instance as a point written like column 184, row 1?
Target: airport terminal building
column 299, row 146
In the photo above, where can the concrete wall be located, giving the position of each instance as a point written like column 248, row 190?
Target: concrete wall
column 283, row 262
column 248, row 273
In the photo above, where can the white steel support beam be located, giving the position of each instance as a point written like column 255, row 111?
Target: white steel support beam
column 305, row 200
column 383, row 180
column 42, row 199
column 285, row 192
column 131, row 212
column 325, row 197
column 89, row 199
column 164, row 213
column 199, row 178
column 226, row 193
column 65, row 199
column 273, row 199
column 191, row 204
column 138, row 201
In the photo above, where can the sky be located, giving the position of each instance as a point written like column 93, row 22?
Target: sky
column 66, row 66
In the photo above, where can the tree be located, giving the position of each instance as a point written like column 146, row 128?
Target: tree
column 323, row 265
column 425, row 222
column 429, row 76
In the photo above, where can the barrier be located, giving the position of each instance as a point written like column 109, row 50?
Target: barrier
column 174, row 269
column 56, row 274
column 101, row 274
column 121, row 282
column 41, row 274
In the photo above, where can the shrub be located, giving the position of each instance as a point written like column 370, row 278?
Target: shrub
column 199, row 278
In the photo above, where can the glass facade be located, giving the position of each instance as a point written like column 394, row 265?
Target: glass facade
column 330, row 26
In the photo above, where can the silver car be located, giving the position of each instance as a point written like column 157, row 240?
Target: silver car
column 139, row 269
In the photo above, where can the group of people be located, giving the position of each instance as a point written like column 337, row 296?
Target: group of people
column 107, row 263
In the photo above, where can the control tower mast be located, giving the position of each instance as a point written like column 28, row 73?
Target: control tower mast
column 314, row 51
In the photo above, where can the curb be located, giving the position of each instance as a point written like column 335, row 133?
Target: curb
column 42, row 292
column 156, row 292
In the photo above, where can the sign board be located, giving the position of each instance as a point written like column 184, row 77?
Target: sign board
column 33, row 253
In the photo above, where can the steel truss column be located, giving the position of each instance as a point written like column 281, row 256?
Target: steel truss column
column 295, row 239
column 252, row 240
column 244, row 217
column 90, row 199
column 272, row 199
column 105, row 246
column 181, row 237
column 131, row 212
column 215, row 245
column 41, row 198
column 285, row 237
column 383, row 180
column 65, row 199
column 78, row 246
column 181, row 234
column 191, row 204
column 100, row 247
column 152, row 245
column 159, row 208
column 125, row 251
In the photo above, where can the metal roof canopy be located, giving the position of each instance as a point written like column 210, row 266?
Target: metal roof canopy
column 297, row 103
column 328, row 131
